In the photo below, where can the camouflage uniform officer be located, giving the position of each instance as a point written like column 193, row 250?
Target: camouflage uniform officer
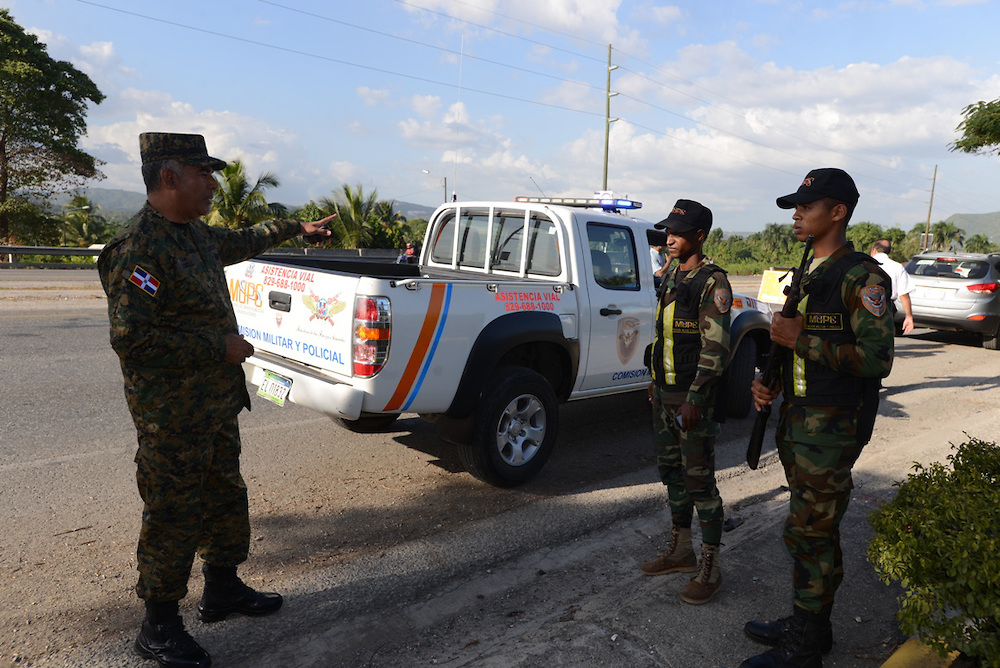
column 841, row 345
column 687, row 358
column 173, row 327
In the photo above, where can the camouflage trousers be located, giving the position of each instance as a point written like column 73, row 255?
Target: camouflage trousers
column 820, row 483
column 686, row 462
column 194, row 499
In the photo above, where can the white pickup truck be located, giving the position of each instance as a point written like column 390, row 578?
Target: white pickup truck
column 514, row 307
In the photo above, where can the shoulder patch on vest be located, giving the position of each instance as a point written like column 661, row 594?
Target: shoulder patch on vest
column 723, row 300
column 873, row 299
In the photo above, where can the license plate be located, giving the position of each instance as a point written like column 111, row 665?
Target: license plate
column 274, row 388
column 934, row 293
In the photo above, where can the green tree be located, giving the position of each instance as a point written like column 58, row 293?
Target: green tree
column 83, row 226
column 235, row 204
column 947, row 236
column 896, row 237
column 863, row 235
column 414, row 229
column 774, row 246
column 43, row 110
column 979, row 243
column 980, row 128
column 307, row 213
column 356, row 221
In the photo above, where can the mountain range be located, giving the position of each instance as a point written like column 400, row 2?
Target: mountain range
column 977, row 223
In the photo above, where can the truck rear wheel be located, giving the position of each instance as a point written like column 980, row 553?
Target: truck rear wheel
column 515, row 428
column 369, row 424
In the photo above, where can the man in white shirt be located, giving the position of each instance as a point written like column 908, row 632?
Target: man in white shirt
column 901, row 286
column 659, row 263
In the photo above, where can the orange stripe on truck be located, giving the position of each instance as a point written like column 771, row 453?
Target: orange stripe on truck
column 420, row 349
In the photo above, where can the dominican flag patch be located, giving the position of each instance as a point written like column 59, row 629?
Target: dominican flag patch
column 145, row 280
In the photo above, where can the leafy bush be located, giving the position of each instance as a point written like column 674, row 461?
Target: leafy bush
column 940, row 539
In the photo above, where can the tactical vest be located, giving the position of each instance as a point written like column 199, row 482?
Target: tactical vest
column 675, row 354
column 825, row 315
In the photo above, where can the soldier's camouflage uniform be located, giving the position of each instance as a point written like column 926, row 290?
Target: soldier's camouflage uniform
column 686, row 459
column 169, row 308
column 819, row 444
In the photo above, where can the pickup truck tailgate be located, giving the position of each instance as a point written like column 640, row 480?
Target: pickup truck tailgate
column 295, row 312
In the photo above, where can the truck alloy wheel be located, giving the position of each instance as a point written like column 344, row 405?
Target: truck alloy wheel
column 515, row 428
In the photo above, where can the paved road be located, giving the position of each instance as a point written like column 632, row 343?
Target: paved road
column 389, row 554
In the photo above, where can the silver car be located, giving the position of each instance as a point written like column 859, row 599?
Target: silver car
column 957, row 292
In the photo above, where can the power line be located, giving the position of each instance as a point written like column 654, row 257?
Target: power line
column 498, row 31
column 339, row 61
column 426, row 45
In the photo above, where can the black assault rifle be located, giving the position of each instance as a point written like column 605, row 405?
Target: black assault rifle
column 773, row 367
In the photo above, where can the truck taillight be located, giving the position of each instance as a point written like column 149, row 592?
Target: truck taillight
column 372, row 327
column 983, row 288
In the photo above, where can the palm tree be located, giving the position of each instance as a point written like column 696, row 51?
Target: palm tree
column 946, row 235
column 385, row 210
column 354, row 226
column 978, row 243
column 82, row 225
column 237, row 205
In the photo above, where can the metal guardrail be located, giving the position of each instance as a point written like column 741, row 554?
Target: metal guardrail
column 9, row 255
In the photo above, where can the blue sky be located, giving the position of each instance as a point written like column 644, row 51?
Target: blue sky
column 726, row 102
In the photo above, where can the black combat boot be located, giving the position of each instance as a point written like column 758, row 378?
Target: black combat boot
column 798, row 648
column 771, row 633
column 225, row 593
column 164, row 639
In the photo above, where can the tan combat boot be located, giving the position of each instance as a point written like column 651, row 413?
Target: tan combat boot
column 708, row 581
column 679, row 558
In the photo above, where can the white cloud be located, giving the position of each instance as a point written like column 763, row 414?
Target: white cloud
column 425, row 105
column 667, row 14
column 373, row 96
column 261, row 146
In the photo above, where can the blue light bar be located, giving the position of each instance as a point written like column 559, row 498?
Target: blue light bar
column 609, row 203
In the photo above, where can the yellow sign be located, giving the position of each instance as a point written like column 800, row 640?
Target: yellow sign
column 772, row 286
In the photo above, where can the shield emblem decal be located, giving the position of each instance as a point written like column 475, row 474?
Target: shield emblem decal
column 627, row 340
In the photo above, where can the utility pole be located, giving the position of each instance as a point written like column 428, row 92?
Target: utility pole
column 607, row 119
column 927, row 236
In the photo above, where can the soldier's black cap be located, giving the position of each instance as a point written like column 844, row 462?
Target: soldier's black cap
column 187, row 149
column 819, row 183
column 687, row 215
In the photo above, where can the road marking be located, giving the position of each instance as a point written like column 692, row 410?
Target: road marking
column 61, row 459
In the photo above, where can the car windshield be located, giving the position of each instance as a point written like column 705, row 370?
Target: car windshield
column 944, row 267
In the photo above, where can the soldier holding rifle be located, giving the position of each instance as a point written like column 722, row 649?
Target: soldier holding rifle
column 840, row 343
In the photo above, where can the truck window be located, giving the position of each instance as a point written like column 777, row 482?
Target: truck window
column 543, row 255
column 543, row 245
column 612, row 256
column 442, row 243
column 505, row 249
column 471, row 239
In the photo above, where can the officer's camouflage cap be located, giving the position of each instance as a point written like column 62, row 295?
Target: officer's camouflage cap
column 187, row 149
